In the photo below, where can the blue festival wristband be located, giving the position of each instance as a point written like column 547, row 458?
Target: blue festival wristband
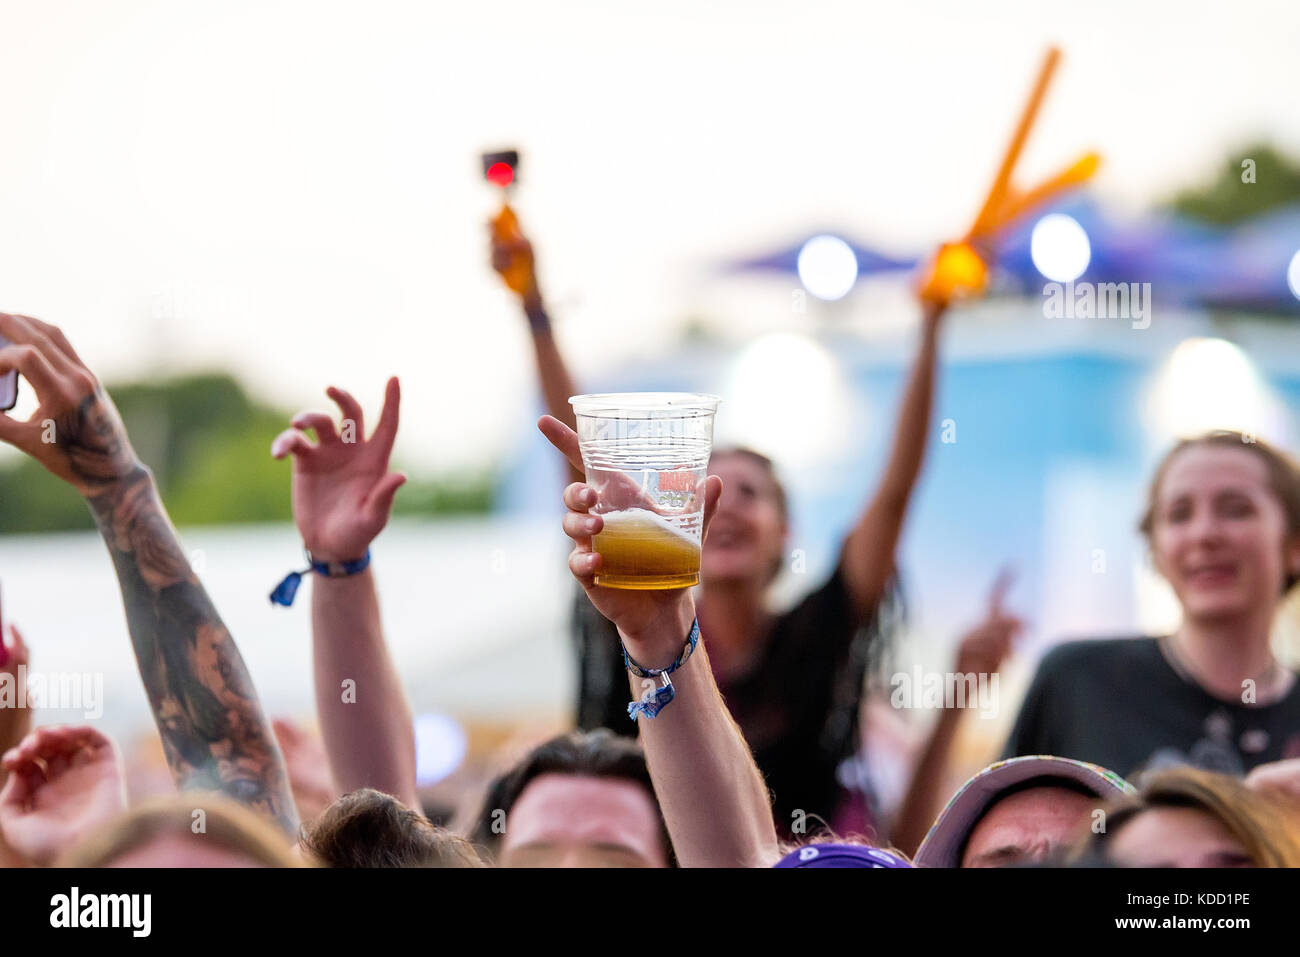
column 287, row 589
column 652, row 703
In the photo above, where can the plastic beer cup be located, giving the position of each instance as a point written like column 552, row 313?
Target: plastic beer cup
column 647, row 455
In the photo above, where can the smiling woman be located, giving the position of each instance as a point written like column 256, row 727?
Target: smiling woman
column 1223, row 524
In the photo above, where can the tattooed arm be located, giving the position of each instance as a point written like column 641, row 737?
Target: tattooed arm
column 213, row 730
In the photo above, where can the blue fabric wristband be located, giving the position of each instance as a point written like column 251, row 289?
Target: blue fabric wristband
column 285, row 592
column 652, row 703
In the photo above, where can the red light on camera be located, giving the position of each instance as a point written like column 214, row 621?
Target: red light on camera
column 501, row 174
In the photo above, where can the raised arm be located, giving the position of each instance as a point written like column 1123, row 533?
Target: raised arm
column 868, row 556
column 512, row 256
column 342, row 495
column 213, row 730
column 981, row 651
column 710, row 791
column 15, row 717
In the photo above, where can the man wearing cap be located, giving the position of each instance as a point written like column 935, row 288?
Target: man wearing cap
column 1021, row 811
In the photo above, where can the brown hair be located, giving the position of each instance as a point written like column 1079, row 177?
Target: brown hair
column 1283, row 473
column 229, row 825
column 1266, row 829
column 768, row 467
column 596, row 754
column 367, row 828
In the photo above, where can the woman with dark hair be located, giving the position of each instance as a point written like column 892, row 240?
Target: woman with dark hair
column 792, row 680
column 1223, row 524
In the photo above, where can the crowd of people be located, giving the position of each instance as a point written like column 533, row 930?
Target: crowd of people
column 1170, row 751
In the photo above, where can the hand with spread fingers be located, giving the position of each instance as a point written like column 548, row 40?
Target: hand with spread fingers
column 64, row 784
column 75, row 431
column 342, row 489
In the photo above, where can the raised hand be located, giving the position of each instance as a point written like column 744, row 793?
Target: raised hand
column 342, row 489
column 75, row 431
column 64, row 783
column 15, row 717
column 984, row 647
column 636, row 613
column 1281, row 778
column 512, row 257
column 309, row 769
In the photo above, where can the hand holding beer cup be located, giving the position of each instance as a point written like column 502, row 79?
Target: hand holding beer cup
column 622, row 525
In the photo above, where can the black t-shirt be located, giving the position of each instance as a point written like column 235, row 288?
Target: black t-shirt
column 797, row 705
column 1119, row 703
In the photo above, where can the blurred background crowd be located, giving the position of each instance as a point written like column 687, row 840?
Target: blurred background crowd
column 229, row 205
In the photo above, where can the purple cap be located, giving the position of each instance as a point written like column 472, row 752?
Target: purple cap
column 841, row 855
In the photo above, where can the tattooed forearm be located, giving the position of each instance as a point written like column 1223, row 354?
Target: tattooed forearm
column 213, row 729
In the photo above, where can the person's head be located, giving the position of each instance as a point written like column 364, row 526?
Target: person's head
column 747, row 538
column 367, row 828
column 1022, row 811
column 1031, row 822
column 1223, row 524
column 846, row 852
column 582, row 799
column 1186, row 817
column 186, row 830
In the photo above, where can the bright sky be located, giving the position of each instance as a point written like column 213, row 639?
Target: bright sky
column 291, row 189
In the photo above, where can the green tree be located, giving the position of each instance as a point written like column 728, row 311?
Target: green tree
column 1228, row 199
column 208, row 443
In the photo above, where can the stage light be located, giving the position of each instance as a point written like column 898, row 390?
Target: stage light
column 1210, row 384
column 501, row 174
column 1293, row 274
column 828, row 267
column 1060, row 248
column 787, row 397
column 440, row 746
